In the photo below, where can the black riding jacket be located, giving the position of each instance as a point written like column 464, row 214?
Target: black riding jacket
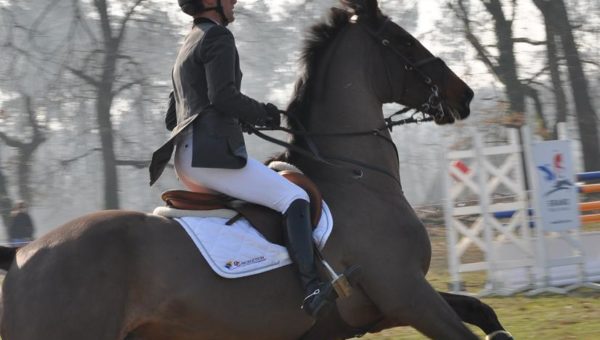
column 206, row 94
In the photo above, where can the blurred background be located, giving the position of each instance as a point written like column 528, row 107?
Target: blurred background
column 84, row 85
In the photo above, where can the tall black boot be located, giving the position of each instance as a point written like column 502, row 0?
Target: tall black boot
column 319, row 295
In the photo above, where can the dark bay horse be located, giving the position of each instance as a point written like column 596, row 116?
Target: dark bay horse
column 129, row 275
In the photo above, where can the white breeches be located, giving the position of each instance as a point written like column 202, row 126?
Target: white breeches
column 254, row 183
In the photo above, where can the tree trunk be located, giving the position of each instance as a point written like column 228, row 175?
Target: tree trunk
column 507, row 70
column 25, row 156
column 5, row 201
column 105, row 94
column 26, row 151
column 557, row 84
column 556, row 14
column 103, row 106
column 111, row 184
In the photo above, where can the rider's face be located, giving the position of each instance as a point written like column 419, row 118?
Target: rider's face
column 228, row 6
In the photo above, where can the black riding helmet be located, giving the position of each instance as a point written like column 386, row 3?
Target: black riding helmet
column 193, row 7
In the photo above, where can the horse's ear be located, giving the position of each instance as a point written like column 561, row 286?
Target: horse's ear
column 362, row 7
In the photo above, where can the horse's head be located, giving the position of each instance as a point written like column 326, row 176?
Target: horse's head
column 408, row 73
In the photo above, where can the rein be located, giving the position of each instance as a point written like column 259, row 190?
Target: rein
column 314, row 154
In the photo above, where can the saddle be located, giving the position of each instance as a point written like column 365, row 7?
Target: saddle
column 267, row 221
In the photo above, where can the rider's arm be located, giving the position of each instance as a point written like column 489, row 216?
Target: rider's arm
column 218, row 54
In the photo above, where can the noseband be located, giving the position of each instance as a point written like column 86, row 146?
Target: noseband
column 432, row 108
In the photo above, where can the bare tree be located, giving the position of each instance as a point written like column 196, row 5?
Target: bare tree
column 26, row 148
column 5, row 201
column 32, row 134
column 552, row 54
column 556, row 16
column 94, row 50
column 504, row 66
column 113, row 30
column 503, row 63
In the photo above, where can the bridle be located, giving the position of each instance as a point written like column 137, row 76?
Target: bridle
column 431, row 110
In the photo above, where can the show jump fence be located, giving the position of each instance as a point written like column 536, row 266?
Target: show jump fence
column 492, row 225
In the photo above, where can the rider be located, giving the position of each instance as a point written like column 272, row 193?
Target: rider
column 209, row 146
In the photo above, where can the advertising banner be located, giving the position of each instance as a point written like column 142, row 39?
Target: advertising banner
column 557, row 193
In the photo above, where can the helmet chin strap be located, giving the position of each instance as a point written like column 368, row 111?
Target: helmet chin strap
column 220, row 10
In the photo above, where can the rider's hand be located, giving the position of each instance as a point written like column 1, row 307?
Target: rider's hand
column 273, row 116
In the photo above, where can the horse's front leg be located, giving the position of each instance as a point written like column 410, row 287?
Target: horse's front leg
column 472, row 310
column 415, row 303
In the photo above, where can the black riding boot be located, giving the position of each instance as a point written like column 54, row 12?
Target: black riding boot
column 319, row 295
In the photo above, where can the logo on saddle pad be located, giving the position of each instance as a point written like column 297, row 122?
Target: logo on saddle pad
column 233, row 264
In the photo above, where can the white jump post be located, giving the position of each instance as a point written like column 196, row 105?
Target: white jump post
column 498, row 225
column 485, row 170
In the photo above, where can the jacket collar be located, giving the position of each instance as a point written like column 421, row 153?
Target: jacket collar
column 201, row 20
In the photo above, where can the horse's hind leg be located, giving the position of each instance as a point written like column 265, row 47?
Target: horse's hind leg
column 420, row 306
column 475, row 312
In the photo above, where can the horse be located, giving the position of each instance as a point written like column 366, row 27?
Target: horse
column 132, row 275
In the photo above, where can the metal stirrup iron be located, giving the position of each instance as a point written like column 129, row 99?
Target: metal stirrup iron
column 340, row 282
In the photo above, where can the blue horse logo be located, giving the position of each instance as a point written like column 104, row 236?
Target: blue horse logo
column 556, row 173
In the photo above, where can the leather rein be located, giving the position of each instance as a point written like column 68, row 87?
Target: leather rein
column 428, row 111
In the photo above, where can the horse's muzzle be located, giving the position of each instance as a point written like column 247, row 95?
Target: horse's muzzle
column 464, row 109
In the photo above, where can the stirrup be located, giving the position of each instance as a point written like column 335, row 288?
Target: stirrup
column 314, row 293
column 326, row 296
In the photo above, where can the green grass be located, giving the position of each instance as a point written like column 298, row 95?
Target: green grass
column 575, row 316
column 572, row 316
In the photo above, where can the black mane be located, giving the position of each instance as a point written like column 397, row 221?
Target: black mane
column 319, row 37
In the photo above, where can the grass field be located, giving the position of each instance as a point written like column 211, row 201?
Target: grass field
column 574, row 316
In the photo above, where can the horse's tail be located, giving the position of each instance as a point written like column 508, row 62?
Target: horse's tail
column 7, row 256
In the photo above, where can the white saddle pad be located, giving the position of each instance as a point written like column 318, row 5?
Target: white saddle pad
column 240, row 250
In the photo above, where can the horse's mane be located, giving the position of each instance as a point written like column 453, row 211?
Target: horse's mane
column 318, row 38
column 316, row 42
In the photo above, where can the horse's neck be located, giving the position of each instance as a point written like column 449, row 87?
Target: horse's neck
column 344, row 102
column 352, row 152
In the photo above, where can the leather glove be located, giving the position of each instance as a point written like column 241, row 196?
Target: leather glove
column 273, row 116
